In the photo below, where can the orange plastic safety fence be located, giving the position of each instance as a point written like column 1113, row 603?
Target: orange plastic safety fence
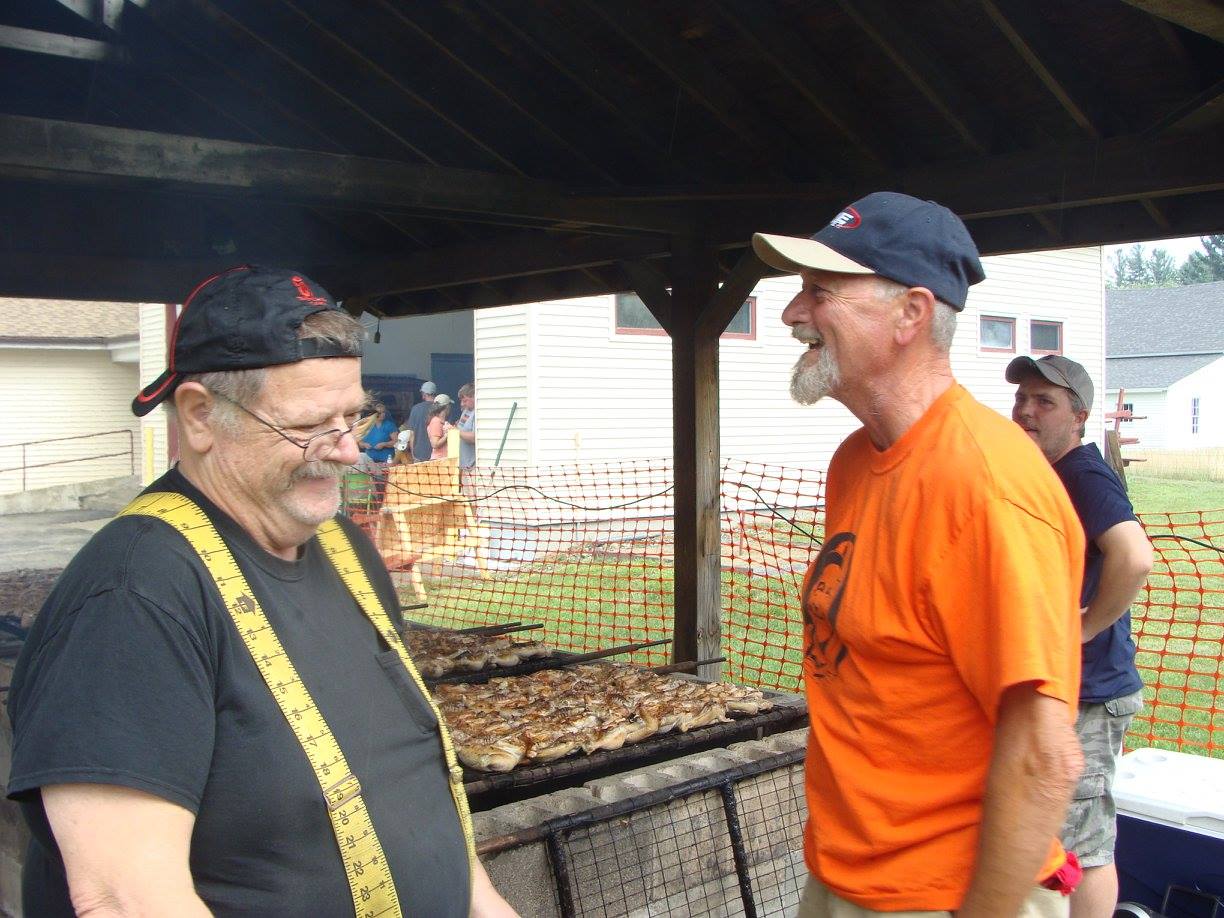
column 1178, row 625
column 586, row 550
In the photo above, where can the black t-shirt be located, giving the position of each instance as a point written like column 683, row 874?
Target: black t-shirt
column 133, row 674
column 1101, row 503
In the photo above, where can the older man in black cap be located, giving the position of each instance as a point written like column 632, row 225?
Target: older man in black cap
column 940, row 617
column 213, row 713
column 1053, row 398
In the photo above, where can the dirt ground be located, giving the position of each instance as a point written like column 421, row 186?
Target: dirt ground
column 22, row 592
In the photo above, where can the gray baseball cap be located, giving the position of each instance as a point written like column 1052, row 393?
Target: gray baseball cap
column 1061, row 371
column 429, row 388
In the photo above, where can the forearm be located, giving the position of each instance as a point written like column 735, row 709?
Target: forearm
column 487, row 902
column 1121, row 581
column 1032, row 775
column 467, row 436
column 145, row 903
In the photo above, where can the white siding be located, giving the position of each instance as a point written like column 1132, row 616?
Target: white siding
column 154, row 438
column 1207, row 385
column 502, row 347
column 1064, row 286
column 60, row 392
column 1148, row 406
column 596, row 395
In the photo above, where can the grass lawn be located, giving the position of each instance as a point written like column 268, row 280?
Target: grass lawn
column 595, row 602
column 1172, row 495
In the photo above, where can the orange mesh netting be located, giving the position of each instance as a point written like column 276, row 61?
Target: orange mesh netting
column 587, row 551
column 1178, row 624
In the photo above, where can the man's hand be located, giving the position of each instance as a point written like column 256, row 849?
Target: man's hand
column 487, row 901
column 1125, row 565
column 1033, row 770
column 125, row 851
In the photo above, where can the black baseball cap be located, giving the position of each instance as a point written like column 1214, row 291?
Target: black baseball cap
column 241, row 319
column 914, row 242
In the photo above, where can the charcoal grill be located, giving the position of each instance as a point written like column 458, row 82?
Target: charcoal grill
column 487, row 790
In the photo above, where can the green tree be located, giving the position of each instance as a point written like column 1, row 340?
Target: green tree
column 1207, row 265
column 1161, row 270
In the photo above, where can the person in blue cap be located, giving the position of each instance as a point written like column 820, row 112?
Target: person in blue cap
column 941, row 618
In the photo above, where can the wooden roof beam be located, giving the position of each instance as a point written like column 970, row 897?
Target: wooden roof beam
column 1056, row 70
column 409, row 14
column 480, row 262
column 105, row 14
column 820, row 86
column 1203, row 16
column 921, row 67
column 42, row 148
column 694, row 74
column 83, row 49
column 585, row 68
column 1204, row 108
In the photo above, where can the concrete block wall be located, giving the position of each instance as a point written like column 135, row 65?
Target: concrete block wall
column 670, row 859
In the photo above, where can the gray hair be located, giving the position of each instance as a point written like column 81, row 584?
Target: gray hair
column 943, row 319
column 241, row 387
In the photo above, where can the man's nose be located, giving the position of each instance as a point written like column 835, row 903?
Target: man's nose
column 795, row 312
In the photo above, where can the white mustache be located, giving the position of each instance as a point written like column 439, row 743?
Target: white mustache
column 807, row 335
column 321, row 469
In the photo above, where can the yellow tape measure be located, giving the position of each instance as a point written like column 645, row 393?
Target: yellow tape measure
column 365, row 865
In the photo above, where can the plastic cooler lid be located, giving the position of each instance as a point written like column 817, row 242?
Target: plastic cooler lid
column 1174, row 788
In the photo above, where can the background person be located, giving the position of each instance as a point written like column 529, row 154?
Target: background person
column 418, row 421
column 467, row 425
column 940, row 618
column 159, row 771
column 378, row 444
column 438, row 426
column 1053, row 398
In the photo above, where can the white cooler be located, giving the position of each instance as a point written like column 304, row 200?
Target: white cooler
column 1170, row 824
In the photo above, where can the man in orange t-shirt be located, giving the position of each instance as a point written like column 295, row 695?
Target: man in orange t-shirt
column 941, row 619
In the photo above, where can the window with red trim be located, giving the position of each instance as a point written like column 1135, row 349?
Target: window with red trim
column 1045, row 337
column 633, row 318
column 997, row 333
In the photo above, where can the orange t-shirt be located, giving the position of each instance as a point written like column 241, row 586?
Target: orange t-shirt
column 950, row 571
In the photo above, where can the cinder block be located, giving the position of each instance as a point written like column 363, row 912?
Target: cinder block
column 622, row 787
column 787, row 742
column 524, row 877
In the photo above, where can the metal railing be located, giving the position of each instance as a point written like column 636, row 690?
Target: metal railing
column 25, row 464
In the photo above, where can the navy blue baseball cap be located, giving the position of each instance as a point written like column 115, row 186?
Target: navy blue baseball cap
column 914, row 242
column 241, row 319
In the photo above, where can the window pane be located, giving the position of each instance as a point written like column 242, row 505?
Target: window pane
column 742, row 323
column 631, row 312
column 1047, row 336
column 998, row 333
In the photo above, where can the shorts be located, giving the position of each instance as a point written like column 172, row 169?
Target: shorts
column 1091, row 827
column 818, row 901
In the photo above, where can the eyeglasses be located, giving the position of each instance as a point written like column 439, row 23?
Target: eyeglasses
column 314, row 448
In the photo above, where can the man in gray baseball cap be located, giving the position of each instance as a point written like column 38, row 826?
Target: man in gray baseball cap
column 1053, row 399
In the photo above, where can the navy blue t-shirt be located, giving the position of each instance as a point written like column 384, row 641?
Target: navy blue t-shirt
column 1101, row 503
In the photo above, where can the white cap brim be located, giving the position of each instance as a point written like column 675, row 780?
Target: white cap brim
column 794, row 254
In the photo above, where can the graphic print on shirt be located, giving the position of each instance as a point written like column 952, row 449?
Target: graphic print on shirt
column 823, row 649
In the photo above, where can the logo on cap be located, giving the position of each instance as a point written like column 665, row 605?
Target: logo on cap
column 847, row 219
column 305, row 294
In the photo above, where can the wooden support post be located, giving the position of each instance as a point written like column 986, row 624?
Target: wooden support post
column 698, row 613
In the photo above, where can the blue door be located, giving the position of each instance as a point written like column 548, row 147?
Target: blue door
column 449, row 372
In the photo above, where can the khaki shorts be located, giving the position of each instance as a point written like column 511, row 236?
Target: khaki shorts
column 1092, row 827
column 818, row 902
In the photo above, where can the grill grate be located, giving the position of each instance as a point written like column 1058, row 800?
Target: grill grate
column 727, row 844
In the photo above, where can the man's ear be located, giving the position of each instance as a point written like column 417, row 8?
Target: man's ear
column 916, row 311
column 194, row 406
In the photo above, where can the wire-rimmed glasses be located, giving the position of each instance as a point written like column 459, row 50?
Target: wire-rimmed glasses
column 316, row 447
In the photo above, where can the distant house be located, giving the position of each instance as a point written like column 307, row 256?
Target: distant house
column 68, row 372
column 1165, row 349
column 590, row 379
